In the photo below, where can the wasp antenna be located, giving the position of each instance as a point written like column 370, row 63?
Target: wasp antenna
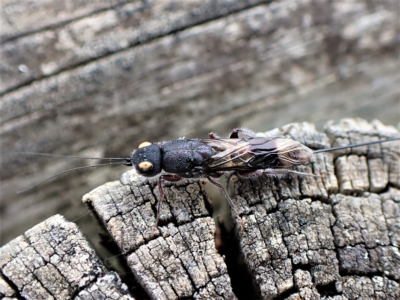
column 74, row 169
column 66, row 156
column 356, row 145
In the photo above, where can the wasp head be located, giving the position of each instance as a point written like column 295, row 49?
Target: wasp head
column 147, row 159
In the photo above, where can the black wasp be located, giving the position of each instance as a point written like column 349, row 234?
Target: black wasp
column 248, row 155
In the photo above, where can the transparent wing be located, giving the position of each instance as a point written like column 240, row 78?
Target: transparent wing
column 249, row 154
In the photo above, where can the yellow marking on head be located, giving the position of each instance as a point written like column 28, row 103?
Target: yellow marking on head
column 144, row 144
column 145, row 165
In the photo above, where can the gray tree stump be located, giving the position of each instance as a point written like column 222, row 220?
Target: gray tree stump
column 54, row 261
column 335, row 235
column 95, row 78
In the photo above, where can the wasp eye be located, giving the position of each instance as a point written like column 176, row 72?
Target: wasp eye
column 144, row 144
column 145, row 166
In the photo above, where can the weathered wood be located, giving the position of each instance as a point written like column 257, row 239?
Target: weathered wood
column 308, row 223
column 302, row 235
column 181, row 259
column 54, row 261
column 94, row 31
column 106, row 76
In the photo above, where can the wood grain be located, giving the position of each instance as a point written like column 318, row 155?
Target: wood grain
column 98, row 78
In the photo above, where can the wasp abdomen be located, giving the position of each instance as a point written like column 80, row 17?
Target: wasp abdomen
column 277, row 153
column 293, row 153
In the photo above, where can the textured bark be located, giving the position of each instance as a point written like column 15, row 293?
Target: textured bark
column 96, row 78
column 334, row 235
column 53, row 260
column 338, row 232
column 178, row 261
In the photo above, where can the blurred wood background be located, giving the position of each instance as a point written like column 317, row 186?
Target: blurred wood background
column 97, row 78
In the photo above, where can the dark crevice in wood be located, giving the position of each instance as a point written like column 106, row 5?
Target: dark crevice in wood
column 287, row 293
column 12, row 285
column 328, row 290
column 306, row 267
column 370, row 275
column 241, row 278
column 207, row 204
column 97, row 218
column 76, row 292
column 108, row 243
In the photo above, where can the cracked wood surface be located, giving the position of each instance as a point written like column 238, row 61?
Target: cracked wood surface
column 181, row 259
column 96, row 78
column 303, row 237
column 339, row 229
column 54, row 261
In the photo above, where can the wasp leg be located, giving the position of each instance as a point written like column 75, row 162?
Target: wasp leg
column 283, row 172
column 213, row 136
column 167, row 177
column 272, row 172
column 235, row 133
column 251, row 174
column 233, row 206
column 216, row 174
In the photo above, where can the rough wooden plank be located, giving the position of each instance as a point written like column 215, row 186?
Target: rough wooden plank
column 105, row 29
column 180, row 260
column 53, row 260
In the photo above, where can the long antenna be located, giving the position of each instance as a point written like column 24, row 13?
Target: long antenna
column 66, row 156
column 126, row 163
column 356, row 145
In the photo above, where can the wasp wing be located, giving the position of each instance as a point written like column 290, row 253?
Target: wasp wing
column 249, row 154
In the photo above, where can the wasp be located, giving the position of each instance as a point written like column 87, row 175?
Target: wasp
column 248, row 156
column 243, row 152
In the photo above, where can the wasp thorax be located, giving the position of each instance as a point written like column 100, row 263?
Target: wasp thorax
column 147, row 159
